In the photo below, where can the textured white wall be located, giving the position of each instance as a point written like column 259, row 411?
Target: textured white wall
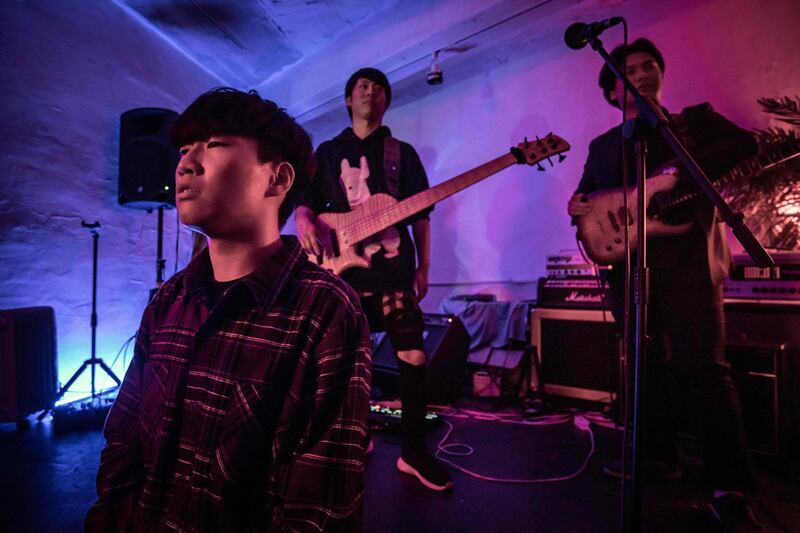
column 69, row 69
column 728, row 52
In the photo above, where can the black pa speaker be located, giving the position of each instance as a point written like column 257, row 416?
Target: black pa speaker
column 446, row 344
column 147, row 161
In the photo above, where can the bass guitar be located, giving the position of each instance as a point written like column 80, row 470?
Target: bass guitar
column 346, row 237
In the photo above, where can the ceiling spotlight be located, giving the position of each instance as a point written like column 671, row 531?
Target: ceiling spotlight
column 435, row 76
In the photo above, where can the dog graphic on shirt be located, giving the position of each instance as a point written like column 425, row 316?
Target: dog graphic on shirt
column 354, row 181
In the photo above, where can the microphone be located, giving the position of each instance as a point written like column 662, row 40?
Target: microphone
column 578, row 35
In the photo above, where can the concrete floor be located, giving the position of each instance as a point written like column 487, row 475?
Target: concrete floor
column 48, row 484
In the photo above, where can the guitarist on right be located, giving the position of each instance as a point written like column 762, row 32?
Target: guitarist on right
column 686, row 322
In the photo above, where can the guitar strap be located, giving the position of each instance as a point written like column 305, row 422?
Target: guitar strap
column 391, row 165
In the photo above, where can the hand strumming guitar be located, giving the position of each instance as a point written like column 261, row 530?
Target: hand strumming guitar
column 310, row 230
column 578, row 205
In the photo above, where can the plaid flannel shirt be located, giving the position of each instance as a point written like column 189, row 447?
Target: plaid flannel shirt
column 248, row 415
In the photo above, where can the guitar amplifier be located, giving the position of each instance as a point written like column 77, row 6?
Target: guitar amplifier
column 779, row 284
column 577, row 351
column 572, row 293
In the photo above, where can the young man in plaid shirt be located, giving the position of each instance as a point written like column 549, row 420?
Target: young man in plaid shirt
column 244, row 408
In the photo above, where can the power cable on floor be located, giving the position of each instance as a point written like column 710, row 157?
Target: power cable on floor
column 464, row 450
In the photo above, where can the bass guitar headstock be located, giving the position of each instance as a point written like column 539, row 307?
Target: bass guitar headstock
column 535, row 151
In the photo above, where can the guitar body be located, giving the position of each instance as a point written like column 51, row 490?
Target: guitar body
column 602, row 230
column 340, row 252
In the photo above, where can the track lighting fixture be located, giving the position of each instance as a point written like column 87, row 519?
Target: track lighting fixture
column 435, row 76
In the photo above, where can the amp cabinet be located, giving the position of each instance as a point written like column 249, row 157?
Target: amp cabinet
column 763, row 348
column 577, row 350
column 28, row 379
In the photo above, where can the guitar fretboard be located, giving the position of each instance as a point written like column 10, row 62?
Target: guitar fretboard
column 376, row 222
column 772, row 156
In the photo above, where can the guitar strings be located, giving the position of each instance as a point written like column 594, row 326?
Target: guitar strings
column 364, row 227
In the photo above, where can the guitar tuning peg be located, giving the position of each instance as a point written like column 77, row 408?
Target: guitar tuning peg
column 526, row 142
column 551, row 163
column 561, row 157
column 539, row 167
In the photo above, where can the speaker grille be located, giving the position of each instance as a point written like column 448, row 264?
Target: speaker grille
column 147, row 161
column 28, row 379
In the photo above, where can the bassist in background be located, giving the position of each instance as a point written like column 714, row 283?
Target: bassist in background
column 361, row 161
column 686, row 321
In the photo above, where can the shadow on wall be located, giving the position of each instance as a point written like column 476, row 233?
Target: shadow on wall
column 444, row 230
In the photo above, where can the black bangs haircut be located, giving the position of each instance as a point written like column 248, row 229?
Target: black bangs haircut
column 375, row 76
column 607, row 80
column 227, row 111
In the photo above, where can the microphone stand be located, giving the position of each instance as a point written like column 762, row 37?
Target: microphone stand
column 93, row 360
column 652, row 116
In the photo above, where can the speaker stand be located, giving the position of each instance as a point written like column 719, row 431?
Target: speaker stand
column 161, row 263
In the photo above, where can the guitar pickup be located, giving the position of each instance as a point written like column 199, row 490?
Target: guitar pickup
column 334, row 243
column 613, row 221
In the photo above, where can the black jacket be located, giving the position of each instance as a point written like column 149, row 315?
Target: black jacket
column 327, row 194
column 717, row 145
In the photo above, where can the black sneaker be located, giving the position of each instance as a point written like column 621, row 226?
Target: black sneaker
column 734, row 515
column 650, row 470
column 429, row 472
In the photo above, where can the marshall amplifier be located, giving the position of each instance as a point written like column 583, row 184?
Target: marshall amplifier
column 572, row 293
column 572, row 282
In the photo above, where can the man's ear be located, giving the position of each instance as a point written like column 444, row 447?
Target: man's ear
column 281, row 179
column 348, row 101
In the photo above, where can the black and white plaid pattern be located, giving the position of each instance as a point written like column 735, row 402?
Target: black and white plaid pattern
column 249, row 415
